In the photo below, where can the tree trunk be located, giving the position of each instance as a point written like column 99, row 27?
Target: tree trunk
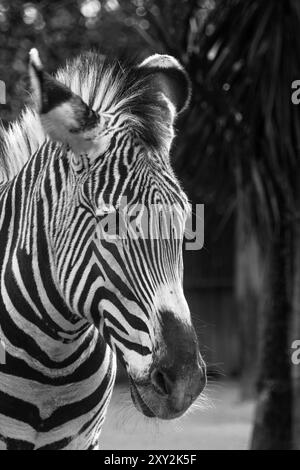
column 248, row 290
column 273, row 419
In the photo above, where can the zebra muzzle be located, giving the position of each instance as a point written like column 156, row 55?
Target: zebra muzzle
column 170, row 390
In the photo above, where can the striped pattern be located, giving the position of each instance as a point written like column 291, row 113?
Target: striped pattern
column 71, row 300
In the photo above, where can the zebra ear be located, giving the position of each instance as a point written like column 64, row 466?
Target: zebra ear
column 64, row 116
column 171, row 79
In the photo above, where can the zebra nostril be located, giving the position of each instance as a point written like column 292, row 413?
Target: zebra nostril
column 161, row 382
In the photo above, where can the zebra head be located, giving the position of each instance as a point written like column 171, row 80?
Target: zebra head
column 114, row 128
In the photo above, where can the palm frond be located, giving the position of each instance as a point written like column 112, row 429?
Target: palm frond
column 244, row 67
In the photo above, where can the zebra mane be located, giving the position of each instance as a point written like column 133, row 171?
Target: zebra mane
column 106, row 87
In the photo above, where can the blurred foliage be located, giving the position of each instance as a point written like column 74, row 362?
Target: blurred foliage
column 243, row 66
column 61, row 29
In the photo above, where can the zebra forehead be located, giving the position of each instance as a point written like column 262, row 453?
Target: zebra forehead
column 174, row 205
column 161, row 186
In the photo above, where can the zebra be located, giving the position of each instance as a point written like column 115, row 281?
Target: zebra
column 73, row 302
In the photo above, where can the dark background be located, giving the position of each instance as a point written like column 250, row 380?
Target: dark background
column 237, row 152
